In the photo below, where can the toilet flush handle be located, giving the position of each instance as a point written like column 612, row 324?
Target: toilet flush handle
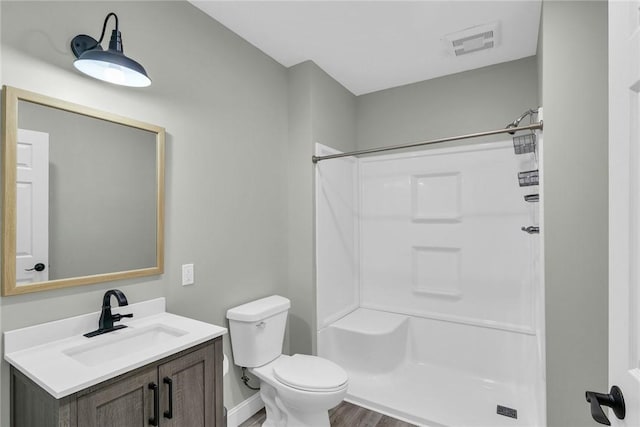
column 261, row 325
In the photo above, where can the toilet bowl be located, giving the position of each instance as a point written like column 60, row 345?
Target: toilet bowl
column 299, row 395
column 297, row 390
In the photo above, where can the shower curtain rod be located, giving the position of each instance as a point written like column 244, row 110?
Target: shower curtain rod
column 534, row 126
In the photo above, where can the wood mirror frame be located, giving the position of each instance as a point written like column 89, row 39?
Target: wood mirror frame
column 10, row 98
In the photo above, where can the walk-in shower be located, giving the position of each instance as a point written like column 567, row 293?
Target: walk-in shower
column 429, row 284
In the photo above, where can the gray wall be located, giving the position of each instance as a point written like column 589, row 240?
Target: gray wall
column 102, row 192
column 240, row 183
column 239, row 177
column 540, row 61
column 300, row 208
column 483, row 99
column 224, row 105
column 323, row 111
column 575, row 91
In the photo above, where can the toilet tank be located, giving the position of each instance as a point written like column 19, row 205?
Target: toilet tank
column 257, row 330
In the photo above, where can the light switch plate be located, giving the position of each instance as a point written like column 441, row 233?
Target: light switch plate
column 187, row 274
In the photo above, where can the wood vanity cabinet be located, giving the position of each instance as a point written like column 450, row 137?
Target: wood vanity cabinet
column 182, row 390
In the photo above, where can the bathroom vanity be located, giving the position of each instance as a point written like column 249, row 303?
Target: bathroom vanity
column 162, row 370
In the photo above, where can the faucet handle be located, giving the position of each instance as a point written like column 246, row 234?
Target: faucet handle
column 118, row 317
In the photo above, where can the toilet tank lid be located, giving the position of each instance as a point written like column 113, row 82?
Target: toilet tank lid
column 259, row 309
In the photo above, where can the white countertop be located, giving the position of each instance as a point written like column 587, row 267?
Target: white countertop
column 41, row 352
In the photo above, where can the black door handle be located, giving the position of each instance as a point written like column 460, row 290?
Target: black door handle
column 38, row 267
column 613, row 400
column 169, row 414
column 156, row 405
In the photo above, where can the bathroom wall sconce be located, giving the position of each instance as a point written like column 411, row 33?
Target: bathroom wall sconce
column 110, row 65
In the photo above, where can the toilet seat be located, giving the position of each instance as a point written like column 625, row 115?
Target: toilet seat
column 309, row 373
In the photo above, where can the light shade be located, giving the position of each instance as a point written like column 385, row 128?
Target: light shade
column 113, row 67
column 108, row 65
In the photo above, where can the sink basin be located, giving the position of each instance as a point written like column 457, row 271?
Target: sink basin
column 122, row 343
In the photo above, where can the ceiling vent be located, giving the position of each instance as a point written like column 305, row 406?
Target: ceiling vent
column 474, row 39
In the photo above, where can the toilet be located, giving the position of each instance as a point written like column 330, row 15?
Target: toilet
column 297, row 390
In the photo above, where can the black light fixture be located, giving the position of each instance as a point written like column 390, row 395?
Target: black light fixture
column 110, row 65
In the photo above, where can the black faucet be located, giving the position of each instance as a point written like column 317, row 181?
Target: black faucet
column 105, row 324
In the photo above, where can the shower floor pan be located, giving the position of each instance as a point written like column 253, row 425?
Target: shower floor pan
column 378, row 350
column 433, row 396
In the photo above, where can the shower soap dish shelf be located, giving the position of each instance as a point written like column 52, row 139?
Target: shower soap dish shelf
column 523, row 144
column 528, row 178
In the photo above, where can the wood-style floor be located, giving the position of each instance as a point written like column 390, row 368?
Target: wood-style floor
column 344, row 415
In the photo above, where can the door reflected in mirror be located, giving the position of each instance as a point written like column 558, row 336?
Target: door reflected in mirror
column 86, row 199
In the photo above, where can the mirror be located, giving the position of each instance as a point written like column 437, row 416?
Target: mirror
column 83, row 195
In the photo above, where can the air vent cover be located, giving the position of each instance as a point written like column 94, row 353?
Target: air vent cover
column 474, row 39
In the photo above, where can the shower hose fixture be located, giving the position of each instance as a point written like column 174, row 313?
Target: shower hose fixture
column 523, row 143
column 516, row 122
column 109, row 65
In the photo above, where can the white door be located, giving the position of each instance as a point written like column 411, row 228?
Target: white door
column 624, row 207
column 32, row 203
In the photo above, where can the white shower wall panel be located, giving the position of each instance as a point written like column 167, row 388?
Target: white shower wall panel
column 336, row 237
column 440, row 236
column 493, row 355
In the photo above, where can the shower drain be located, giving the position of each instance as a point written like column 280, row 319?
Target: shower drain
column 507, row 412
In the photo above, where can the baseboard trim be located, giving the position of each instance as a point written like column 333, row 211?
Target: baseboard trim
column 244, row 410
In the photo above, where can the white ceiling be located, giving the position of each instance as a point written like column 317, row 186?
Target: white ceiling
column 373, row 45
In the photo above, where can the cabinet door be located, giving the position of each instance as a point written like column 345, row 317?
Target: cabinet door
column 187, row 385
column 126, row 403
